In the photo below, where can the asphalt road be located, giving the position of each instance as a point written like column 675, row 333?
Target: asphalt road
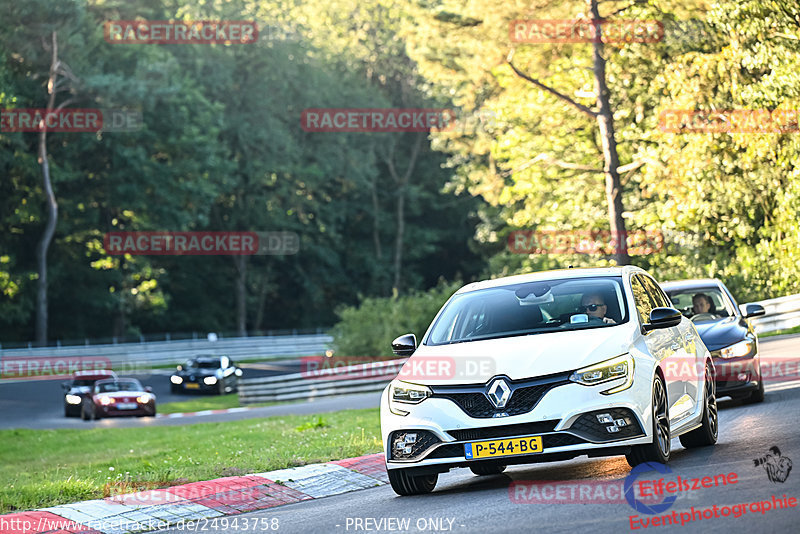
column 39, row 404
column 464, row 503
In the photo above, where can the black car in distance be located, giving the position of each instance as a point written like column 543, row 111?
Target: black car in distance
column 208, row 374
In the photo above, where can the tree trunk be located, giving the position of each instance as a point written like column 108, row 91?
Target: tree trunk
column 605, row 120
column 402, row 186
column 52, row 207
column 241, row 294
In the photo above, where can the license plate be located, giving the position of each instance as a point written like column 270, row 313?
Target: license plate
column 503, row 447
column 192, row 385
column 127, row 406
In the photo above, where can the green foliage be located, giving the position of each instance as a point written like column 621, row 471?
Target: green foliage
column 369, row 328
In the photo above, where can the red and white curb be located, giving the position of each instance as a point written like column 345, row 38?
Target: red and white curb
column 157, row 509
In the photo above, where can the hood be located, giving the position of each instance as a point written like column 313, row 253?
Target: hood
column 518, row 357
column 722, row 333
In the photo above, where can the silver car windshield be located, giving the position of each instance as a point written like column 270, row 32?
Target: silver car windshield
column 531, row 308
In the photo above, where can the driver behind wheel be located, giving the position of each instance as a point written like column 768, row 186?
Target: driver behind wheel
column 702, row 303
column 595, row 307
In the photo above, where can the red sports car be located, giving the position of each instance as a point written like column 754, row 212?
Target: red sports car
column 118, row 397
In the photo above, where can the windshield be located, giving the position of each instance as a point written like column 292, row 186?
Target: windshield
column 83, row 382
column 701, row 303
column 204, row 364
column 120, row 385
column 531, row 308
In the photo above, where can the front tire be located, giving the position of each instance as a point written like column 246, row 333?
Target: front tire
column 486, row 470
column 707, row 434
column 660, row 448
column 404, row 483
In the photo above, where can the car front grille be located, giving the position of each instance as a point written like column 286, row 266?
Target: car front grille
column 504, row 431
column 525, row 395
column 587, row 425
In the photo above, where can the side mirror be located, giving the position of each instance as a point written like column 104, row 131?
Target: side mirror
column 754, row 310
column 404, row 345
column 148, row 389
column 663, row 318
column 65, row 386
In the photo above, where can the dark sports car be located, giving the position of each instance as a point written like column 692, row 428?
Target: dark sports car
column 727, row 333
column 80, row 387
column 215, row 374
column 118, row 397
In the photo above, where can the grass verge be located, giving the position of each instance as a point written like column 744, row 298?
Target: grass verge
column 795, row 330
column 42, row 468
column 217, row 402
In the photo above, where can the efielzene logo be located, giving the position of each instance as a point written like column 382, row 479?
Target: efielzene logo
column 777, row 467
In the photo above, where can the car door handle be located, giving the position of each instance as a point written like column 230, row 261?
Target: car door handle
column 689, row 337
column 675, row 346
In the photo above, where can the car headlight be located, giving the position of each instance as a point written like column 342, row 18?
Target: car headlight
column 737, row 350
column 73, row 399
column 143, row 399
column 105, row 401
column 406, row 393
column 175, row 379
column 613, row 369
column 210, row 380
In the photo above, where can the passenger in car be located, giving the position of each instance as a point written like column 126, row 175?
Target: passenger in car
column 595, row 307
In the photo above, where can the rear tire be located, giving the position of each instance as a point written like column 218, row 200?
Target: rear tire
column 707, row 434
column 406, row 484
column 660, row 448
column 487, row 470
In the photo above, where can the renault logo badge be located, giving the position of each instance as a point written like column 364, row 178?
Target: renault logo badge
column 499, row 393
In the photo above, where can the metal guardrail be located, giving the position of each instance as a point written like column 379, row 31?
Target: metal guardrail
column 361, row 378
column 141, row 355
column 782, row 313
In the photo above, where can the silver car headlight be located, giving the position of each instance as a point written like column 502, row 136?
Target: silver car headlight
column 73, row 399
column 406, row 393
column 743, row 348
column 613, row 369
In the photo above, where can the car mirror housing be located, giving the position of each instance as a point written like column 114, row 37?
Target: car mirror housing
column 404, row 345
column 754, row 310
column 663, row 318
column 148, row 389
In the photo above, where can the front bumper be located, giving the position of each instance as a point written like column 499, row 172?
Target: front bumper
column 112, row 411
column 563, row 417
column 736, row 376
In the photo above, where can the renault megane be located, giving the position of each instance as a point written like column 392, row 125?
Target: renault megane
column 545, row 367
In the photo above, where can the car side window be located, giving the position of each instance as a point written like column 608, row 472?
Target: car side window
column 657, row 294
column 642, row 299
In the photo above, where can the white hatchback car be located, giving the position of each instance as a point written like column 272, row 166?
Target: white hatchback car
column 545, row 367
